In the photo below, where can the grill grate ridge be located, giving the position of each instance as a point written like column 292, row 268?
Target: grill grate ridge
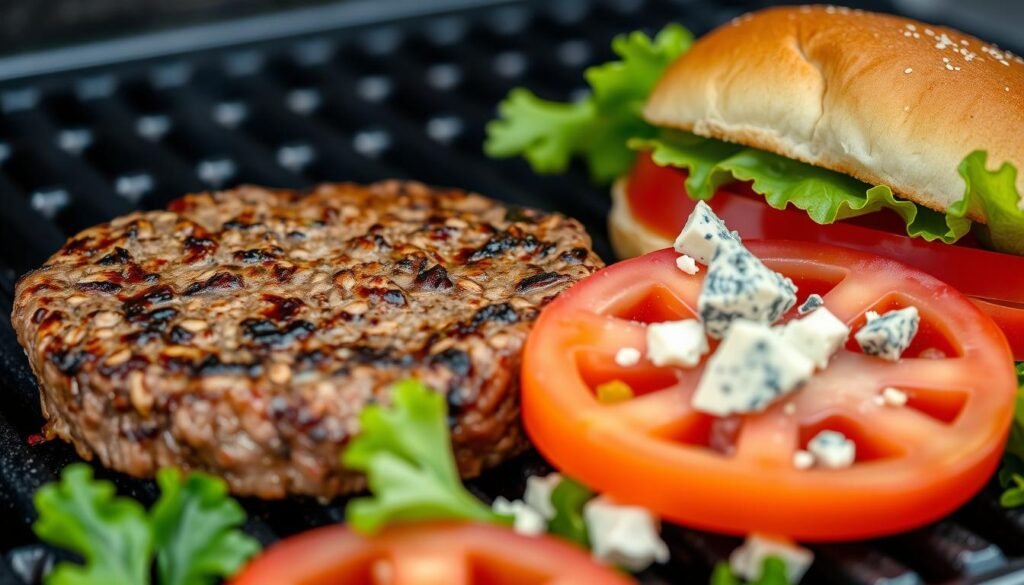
column 396, row 99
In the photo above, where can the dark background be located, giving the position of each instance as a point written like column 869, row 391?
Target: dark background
column 27, row 25
column 32, row 24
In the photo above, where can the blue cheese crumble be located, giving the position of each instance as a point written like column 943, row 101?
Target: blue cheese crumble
column 702, row 234
column 888, row 336
column 752, row 368
column 739, row 286
column 832, row 449
column 813, row 301
column 818, row 336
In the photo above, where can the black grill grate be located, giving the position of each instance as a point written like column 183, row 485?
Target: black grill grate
column 401, row 98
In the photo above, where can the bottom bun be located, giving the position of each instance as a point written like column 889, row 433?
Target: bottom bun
column 630, row 237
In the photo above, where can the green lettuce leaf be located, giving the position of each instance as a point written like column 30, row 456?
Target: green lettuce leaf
column 994, row 195
column 1013, row 497
column 550, row 134
column 1011, row 472
column 772, row 573
column 723, row 575
column 826, row 196
column 111, row 534
column 1011, row 479
column 192, row 529
column 405, row 452
column 546, row 133
column 1015, row 444
column 196, row 530
column 568, row 499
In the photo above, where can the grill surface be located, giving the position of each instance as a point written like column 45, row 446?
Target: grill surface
column 361, row 101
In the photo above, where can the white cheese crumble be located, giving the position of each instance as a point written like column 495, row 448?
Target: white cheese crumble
column 740, row 286
column 527, row 521
column 818, row 336
column 676, row 343
column 832, row 449
column 752, row 368
column 538, row 493
column 888, row 336
column 625, row 536
column 747, row 561
column 702, row 234
column 894, row 397
column 687, row 264
column 627, row 357
column 803, row 459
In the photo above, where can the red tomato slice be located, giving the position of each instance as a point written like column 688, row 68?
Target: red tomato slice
column 431, row 553
column 657, row 198
column 736, row 475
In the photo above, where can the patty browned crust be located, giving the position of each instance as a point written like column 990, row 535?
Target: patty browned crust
column 242, row 332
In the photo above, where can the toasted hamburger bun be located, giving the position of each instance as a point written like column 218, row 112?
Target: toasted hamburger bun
column 885, row 99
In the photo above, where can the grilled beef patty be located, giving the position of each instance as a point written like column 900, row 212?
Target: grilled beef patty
column 242, row 332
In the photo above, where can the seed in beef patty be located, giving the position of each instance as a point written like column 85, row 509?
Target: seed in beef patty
column 242, row 332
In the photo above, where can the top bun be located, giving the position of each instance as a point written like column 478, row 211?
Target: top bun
column 885, row 99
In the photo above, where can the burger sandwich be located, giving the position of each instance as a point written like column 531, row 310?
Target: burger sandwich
column 813, row 123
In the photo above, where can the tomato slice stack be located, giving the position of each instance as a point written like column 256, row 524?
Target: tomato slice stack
column 994, row 281
column 736, row 475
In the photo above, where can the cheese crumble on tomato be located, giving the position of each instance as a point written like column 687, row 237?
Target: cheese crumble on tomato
column 752, row 368
column 892, row 397
column 737, row 285
column 819, row 335
column 832, row 450
column 803, row 459
column 888, row 335
column 627, row 357
column 702, row 234
column 676, row 343
column 813, row 301
column 687, row 264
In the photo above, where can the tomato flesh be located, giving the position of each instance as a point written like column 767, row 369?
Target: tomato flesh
column 736, row 475
column 657, row 198
column 430, row 553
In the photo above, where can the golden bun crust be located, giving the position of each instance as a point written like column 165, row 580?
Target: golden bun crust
column 629, row 237
column 885, row 99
